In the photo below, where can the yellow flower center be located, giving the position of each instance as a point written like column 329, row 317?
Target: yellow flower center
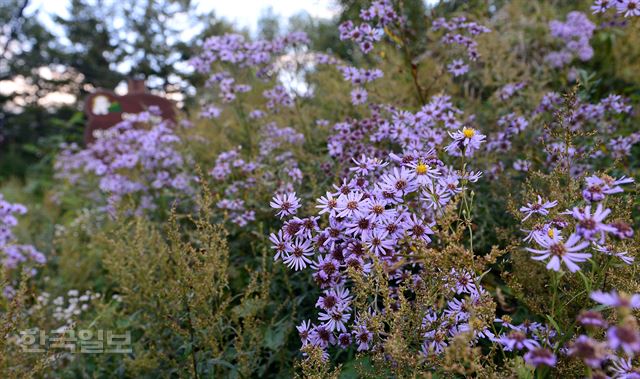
column 550, row 233
column 468, row 132
column 421, row 168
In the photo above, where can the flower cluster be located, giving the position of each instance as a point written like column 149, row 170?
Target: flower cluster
column 138, row 156
column 378, row 211
column 590, row 228
column 376, row 17
column 239, row 177
column 575, row 33
column 509, row 90
column 359, row 77
column 622, row 339
column 456, row 28
column 13, row 253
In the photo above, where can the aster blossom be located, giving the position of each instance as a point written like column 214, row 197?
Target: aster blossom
column 539, row 207
column 287, row 204
column 560, row 251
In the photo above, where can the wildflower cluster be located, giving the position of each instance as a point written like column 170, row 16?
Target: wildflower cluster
column 274, row 164
column 130, row 159
column 13, row 253
column 375, row 215
column 575, row 33
column 455, row 30
column 376, row 17
column 584, row 227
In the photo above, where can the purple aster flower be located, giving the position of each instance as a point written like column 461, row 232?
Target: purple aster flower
column 350, row 205
column 418, row 229
column 400, row 181
column 321, row 336
column 287, row 204
column 359, row 226
column 560, row 251
column 303, row 331
column 358, row 96
column 377, row 211
column 591, row 225
column 616, row 300
column 298, row 253
column 601, row 6
column 458, row 67
column 593, row 353
column 517, row 340
column 424, row 173
column 598, row 187
column 378, row 243
column 467, row 140
column 464, row 282
column 335, row 320
column 327, row 204
column 344, row 340
column 624, row 337
column 436, row 196
column 334, row 298
column 622, row 368
column 363, row 337
column 622, row 229
column 540, row 207
column 592, row 319
column 435, row 342
column 623, row 255
column 540, row 357
column 280, row 244
column 365, row 165
column 630, row 8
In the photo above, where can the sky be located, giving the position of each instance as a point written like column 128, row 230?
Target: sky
column 244, row 13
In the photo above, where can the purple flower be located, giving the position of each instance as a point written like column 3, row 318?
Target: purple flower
column 378, row 243
column 601, row 6
column 321, row 336
column 458, row 67
column 287, row 204
column 591, row 225
column 560, row 251
column 623, row 368
column 363, row 337
column 303, row 331
column 623, row 255
column 467, row 140
column 517, row 340
column 418, row 229
column 540, row 207
column 630, row 8
column 399, row 182
column 327, row 204
column 590, row 351
column 280, row 244
column 359, row 96
column 350, row 205
column 622, row 229
column 297, row 255
column 592, row 319
column 335, row 319
column 597, row 188
column 625, row 337
column 616, row 300
column 540, row 357
column 344, row 340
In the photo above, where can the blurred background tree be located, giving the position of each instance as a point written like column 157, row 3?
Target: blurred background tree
column 46, row 71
